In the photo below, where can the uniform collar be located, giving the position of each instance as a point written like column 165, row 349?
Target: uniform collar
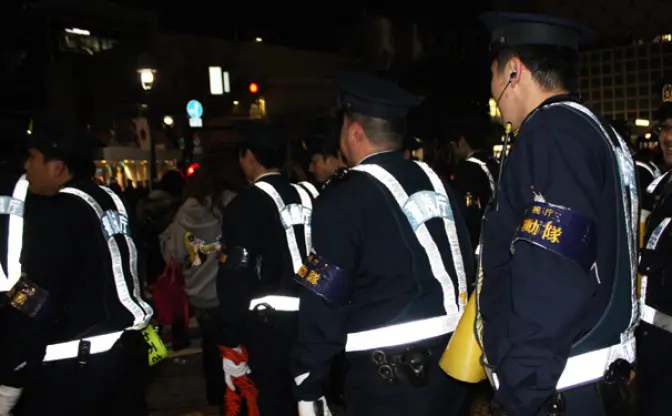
column 551, row 100
column 378, row 157
column 265, row 175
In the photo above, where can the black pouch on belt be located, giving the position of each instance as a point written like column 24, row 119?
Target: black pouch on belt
column 614, row 388
column 412, row 362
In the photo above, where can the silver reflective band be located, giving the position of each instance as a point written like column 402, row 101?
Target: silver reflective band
column 139, row 309
column 401, row 334
column 14, row 237
column 656, row 318
column 290, row 220
column 653, row 185
column 585, row 368
column 654, row 173
column 310, row 188
column 279, row 303
column 484, row 168
column 70, row 349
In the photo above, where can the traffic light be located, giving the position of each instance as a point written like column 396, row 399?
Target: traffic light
column 192, row 168
column 254, row 87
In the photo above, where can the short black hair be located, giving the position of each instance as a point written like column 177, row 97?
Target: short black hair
column 552, row 67
column 324, row 147
column 268, row 158
column 380, row 131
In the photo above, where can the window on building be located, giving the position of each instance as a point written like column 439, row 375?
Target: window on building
column 630, row 52
column 667, row 62
column 618, row 54
column 80, row 42
column 619, row 105
column 619, row 92
column 631, row 79
column 619, row 80
column 631, row 66
column 631, row 92
column 607, row 93
column 632, row 105
column 584, row 84
column 644, row 104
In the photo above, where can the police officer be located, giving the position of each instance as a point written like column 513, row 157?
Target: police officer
column 266, row 230
column 75, row 345
column 325, row 157
column 556, row 287
column 412, row 147
column 476, row 174
column 388, row 278
column 654, row 363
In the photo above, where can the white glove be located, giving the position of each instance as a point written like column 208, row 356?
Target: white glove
column 310, row 408
column 9, row 396
column 232, row 370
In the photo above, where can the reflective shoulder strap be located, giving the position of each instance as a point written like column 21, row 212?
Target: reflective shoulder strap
column 307, row 203
column 310, row 188
column 140, row 317
column 436, row 263
column 292, row 244
column 484, row 168
column 651, row 244
column 647, row 167
column 654, row 185
column 15, row 237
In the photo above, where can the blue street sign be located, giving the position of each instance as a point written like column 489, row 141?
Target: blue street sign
column 194, row 109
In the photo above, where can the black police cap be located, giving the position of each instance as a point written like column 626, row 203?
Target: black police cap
column 60, row 139
column 518, row 29
column 258, row 135
column 371, row 96
column 411, row 143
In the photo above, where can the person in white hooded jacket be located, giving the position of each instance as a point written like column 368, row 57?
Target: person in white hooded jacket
column 192, row 240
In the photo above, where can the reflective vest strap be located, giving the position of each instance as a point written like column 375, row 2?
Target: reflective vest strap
column 278, row 303
column 132, row 253
column 140, row 318
column 70, row 349
column 307, row 203
column 451, row 232
column 293, row 246
column 586, row 368
column 14, row 239
column 654, row 185
column 648, row 168
column 422, row 233
column 310, row 188
column 484, row 168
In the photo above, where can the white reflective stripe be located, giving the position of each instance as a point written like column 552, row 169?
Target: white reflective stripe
column 132, row 253
column 310, row 188
column 307, row 203
column 656, row 318
column 477, row 252
column 648, row 168
column 402, row 334
column 585, row 368
column 140, row 318
column 279, row 303
column 653, row 185
column 70, row 349
column 297, row 260
column 654, row 239
column 451, row 304
column 14, row 240
column 484, row 168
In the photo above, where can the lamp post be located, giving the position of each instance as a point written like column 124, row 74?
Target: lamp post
column 147, row 73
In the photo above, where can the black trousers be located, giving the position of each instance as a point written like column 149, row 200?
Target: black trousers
column 210, row 324
column 654, row 371
column 584, row 400
column 367, row 394
column 111, row 384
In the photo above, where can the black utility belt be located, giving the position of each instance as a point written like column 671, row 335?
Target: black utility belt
column 413, row 364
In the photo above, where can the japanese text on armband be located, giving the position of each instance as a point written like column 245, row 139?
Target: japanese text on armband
column 28, row 298
column 323, row 278
column 425, row 205
column 560, row 230
column 11, row 206
column 114, row 223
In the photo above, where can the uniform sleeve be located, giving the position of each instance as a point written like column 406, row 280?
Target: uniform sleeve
column 47, row 258
column 550, row 294
column 321, row 323
column 239, row 231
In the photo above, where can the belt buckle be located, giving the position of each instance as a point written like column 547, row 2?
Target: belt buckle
column 386, row 370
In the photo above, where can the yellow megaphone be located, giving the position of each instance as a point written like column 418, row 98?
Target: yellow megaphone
column 462, row 358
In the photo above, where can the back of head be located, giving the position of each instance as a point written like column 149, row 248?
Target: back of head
column 209, row 181
column 172, row 182
column 267, row 143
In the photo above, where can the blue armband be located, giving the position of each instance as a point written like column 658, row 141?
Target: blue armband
column 323, row 278
column 567, row 233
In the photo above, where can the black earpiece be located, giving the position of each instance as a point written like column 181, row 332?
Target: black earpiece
column 512, row 76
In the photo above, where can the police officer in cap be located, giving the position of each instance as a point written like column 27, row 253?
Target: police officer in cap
column 266, row 233
column 654, row 364
column 388, row 278
column 326, row 161
column 76, row 315
column 476, row 174
column 559, row 244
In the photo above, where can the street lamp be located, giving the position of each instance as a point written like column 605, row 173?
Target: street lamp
column 147, row 72
column 168, row 121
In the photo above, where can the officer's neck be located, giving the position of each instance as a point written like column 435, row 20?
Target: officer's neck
column 535, row 98
column 261, row 172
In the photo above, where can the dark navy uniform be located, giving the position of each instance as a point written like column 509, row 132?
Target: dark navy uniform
column 556, row 287
column 76, row 313
column 386, row 284
column 476, row 178
column 267, row 235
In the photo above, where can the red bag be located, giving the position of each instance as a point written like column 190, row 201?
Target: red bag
column 170, row 301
